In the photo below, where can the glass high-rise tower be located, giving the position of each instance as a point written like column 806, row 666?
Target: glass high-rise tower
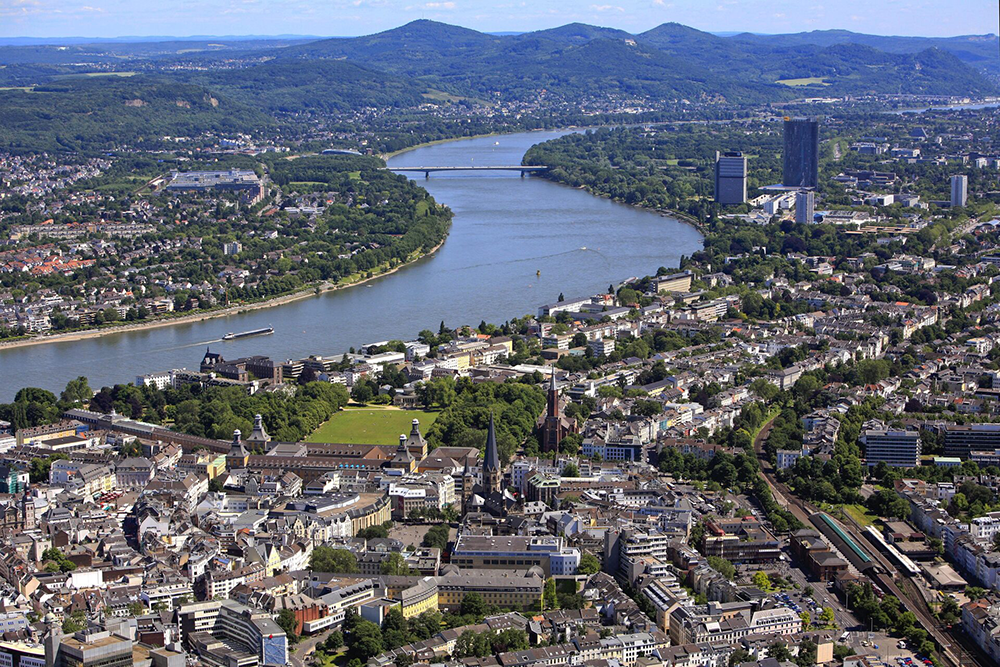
column 801, row 159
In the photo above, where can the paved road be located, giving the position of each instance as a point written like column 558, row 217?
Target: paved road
column 305, row 648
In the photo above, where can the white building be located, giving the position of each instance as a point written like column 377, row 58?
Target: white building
column 986, row 527
column 959, row 190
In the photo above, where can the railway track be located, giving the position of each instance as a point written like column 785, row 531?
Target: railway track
column 951, row 650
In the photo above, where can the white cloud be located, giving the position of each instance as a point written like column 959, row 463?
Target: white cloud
column 607, row 8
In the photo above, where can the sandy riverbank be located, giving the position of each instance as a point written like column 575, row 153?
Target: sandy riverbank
column 304, row 293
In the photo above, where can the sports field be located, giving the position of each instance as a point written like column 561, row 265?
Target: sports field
column 371, row 426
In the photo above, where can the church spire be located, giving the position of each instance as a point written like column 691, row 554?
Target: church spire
column 553, row 397
column 491, row 460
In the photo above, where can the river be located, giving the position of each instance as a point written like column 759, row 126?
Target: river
column 506, row 228
column 951, row 107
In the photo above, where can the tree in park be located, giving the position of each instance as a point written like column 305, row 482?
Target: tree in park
column 436, row 536
column 362, row 393
column 77, row 391
column 396, row 565
column 779, row 651
column 739, row 656
column 333, row 642
column 723, row 567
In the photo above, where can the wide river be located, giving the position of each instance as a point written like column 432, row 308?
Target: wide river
column 505, row 230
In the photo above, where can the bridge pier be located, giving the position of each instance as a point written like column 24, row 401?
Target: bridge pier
column 427, row 175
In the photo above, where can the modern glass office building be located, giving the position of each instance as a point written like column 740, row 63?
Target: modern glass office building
column 801, row 158
column 730, row 178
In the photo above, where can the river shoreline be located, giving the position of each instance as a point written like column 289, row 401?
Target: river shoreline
column 437, row 142
column 513, row 243
column 311, row 290
column 685, row 218
column 304, row 293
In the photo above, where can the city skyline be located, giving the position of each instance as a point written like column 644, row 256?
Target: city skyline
column 117, row 18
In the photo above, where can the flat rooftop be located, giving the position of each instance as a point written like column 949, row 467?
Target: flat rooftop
column 209, row 179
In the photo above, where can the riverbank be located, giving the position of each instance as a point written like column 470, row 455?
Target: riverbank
column 304, row 293
column 438, row 142
column 669, row 213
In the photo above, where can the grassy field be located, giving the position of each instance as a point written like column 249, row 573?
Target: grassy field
column 807, row 81
column 370, row 426
column 860, row 514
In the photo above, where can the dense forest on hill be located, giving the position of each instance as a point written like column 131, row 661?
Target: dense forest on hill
column 104, row 112
column 669, row 61
column 314, row 86
column 99, row 97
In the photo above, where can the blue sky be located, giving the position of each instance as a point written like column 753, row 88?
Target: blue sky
column 110, row 18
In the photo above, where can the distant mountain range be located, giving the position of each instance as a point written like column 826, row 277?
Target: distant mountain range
column 51, row 99
column 669, row 61
column 140, row 39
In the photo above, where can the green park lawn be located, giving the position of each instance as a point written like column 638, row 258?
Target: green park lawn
column 860, row 514
column 370, row 426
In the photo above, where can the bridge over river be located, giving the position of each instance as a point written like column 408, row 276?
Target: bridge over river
column 524, row 169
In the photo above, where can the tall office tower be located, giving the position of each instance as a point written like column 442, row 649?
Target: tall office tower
column 805, row 206
column 730, row 178
column 959, row 190
column 801, row 159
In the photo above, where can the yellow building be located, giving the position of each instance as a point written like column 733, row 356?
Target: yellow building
column 272, row 563
column 463, row 359
column 507, row 589
column 677, row 282
column 215, row 467
column 39, row 434
column 371, row 510
column 421, row 597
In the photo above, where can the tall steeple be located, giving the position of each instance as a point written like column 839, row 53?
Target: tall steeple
column 553, row 402
column 552, row 426
column 491, row 461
